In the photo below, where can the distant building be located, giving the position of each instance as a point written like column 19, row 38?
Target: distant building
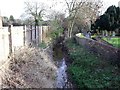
column 0, row 22
column 119, row 4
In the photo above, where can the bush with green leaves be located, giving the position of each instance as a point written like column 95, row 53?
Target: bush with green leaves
column 56, row 30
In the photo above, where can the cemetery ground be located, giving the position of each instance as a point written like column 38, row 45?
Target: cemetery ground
column 115, row 41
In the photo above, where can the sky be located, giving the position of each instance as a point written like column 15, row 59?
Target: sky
column 16, row 7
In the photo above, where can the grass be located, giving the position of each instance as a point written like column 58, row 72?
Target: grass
column 93, row 36
column 89, row 71
column 42, row 45
column 80, row 35
column 115, row 41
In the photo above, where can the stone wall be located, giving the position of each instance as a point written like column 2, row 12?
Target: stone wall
column 105, row 51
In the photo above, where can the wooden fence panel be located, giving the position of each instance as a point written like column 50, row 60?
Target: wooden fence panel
column 4, row 44
column 20, row 36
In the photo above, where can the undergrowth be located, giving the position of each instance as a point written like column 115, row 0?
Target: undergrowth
column 89, row 71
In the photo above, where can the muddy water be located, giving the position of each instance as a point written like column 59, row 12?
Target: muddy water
column 62, row 77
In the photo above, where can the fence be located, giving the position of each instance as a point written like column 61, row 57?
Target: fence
column 13, row 37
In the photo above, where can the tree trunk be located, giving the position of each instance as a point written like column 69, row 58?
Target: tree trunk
column 72, row 24
column 71, row 29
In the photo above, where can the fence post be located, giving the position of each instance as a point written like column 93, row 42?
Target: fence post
column 31, row 32
column 38, row 35
column 24, row 29
column 35, row 32
column 10, row 40
column 41, row 34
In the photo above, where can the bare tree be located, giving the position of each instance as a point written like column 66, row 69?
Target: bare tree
column 81, row 9
column 72, row 7
column 89, row 12
column 36, row 10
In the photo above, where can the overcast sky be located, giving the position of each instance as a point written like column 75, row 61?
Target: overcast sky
column 16, row 7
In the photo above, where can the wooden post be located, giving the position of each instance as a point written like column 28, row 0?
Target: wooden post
column 31, row 32
column 10, row 40
column 36, row 24
column 41, row 34
column 38, row 35
column 24, row 29
column 35, row 32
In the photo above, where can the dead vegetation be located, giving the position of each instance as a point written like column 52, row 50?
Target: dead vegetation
column 28, row 68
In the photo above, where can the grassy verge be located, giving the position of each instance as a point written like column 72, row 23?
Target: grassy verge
column 114, row 41
column 89, row 71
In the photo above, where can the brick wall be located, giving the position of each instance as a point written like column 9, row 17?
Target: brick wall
column 105, row 51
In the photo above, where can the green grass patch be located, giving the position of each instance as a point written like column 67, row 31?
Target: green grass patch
column 93, row 36
column 89, row 71
column 42, row 45
column 115, row 41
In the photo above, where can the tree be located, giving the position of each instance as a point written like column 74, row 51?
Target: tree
column 28, row 21
column 18, row 22
column 5, row 21
column 35, row 10
column 11, row 19
column 88, row 13
column 72, row 7
column 56, row 21
column 110, row 20
column 84, row 10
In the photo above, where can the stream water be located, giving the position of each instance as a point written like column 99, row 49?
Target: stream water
column 62, row 77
